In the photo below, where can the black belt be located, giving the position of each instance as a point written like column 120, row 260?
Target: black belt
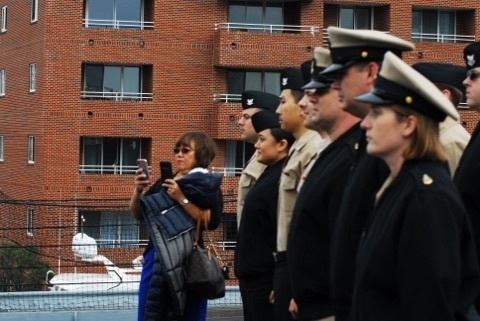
column 279, row 257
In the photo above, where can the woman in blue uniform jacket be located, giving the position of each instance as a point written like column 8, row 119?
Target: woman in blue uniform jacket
column 256, row 239
column 416, row 258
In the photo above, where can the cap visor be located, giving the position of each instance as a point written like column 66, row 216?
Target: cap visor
column 373, row 99
column 313, row 84
column 332, row 69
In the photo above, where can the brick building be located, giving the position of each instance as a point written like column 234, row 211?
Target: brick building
column 87, row 87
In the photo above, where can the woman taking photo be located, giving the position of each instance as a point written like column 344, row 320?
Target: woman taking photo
column 416, row 258
column 193, row 154
column 256, row 240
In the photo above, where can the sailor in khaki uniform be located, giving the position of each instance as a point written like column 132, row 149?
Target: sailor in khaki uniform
column 448, row 78
column 302, row 151
column 252, row 102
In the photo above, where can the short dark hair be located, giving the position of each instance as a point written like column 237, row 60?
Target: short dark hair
column 456, row 94
column 205, row 148
column 297, row 95
column 280, row 134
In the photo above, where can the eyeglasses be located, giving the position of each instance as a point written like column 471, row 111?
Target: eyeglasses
column 184, row 150
column 473, row 74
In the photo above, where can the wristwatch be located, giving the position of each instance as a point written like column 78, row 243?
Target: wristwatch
column 184, row 202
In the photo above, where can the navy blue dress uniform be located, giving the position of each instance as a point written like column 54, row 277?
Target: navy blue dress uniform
column 416, row 259
column 253, row 169
column 366, row 174
column 467, row 175
column 256, row 240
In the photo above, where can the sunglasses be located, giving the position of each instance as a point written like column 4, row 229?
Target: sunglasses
column 473, row 74
column 184, row 150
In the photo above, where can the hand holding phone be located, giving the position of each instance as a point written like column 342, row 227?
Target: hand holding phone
column 166, row 170
column 143, row 164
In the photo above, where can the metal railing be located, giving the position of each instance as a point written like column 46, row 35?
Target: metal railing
column 227, row 245
column 117, row 96
column 228, row 171
column 227, row 98
column 117, row 24
column 256, row 27
column 437, row 37
column 107, row 169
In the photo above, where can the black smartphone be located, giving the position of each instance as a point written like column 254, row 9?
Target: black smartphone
column 143, row 164
column 166, row 170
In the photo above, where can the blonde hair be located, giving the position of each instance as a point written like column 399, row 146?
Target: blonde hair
column 425, row 143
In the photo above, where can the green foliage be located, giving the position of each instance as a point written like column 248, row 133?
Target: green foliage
column 21, row 269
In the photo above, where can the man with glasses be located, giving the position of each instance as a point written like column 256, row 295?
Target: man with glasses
column 468, row 172
column 252, row 102
column 356, row 56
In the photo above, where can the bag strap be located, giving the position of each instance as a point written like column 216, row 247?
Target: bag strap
column 204, row 217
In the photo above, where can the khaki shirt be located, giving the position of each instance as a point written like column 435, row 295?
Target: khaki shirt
column 249, row 176
column 454, row 138
column 299, row 156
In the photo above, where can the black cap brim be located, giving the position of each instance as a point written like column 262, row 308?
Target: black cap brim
column 333, row 69
column 313, row 84
column 370, row 98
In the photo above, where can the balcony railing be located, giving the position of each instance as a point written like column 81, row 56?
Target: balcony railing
column 436, row 37
column 227, row 98
column 117, row 96
column 117, row 24
column 254, row 27
column 228, row 171
column 107, row 169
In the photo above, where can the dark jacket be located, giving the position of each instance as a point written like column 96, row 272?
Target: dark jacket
column 312, row 223
column 366, row 177
column 416, row 260
column 467, row 180
column 172, row 231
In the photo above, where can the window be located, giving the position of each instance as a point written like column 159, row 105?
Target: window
column 433, row 25
column 33, row 77
column 31, row 149
column 112, row 229
column 239, row 81
column 2, row 140
column 237, row 154
column 116, row 82
column 230, row 230
column 30, row 221
column 255, row 16
column 3, row 79
column 118, row 14
column 34, row 10
column 112, row 155
column 4, row 19
column 355, row 17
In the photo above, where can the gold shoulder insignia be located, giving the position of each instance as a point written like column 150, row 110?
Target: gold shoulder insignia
column 427, row 180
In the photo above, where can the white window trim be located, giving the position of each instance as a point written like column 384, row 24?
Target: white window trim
column 30, row 221
column 2, row 149
column 33, row 78
column 34, row 11
column 4, row 19
column 31, row 150
column 3, row 79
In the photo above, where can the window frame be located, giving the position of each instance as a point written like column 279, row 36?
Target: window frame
column 31, row 149
column 437, row 36
column 3, row 81
column 34, row 11
column 30, row 218
column 244, row 78
column 265, row 5
column 355, row 8
column 142, row 24
column 3, row 28
column 2, row 148
column 33, row 77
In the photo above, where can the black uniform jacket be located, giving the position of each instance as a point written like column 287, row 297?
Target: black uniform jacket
column 467, row 180
column 257, row 235
column 366, row 177
column 416, row 260
column 313, row 219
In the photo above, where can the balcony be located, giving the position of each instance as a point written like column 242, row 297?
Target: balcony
column 107, row 169
column 228, row 171
column 227, row 98
column 263, row 45
column 116, row 96
column 443, row 38
column 118, row 24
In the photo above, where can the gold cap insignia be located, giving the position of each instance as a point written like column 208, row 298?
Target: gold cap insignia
column 427, row 180
column 356, row 146
column 408, row 100
column 312, row 66
column 364, row 54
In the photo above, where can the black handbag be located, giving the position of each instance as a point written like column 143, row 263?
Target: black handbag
column 206, row 272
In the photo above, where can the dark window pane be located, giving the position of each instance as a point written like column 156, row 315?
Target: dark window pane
column 112, row 79
column 131, row 81
column 447, row 23
column 274, row 15
column 101, row 11
column 110, row 151
column 130, row 151
column 254, row 16
column 362, row 18
column 90, row 223
column 236, row 13
column 429, row 21
column 236, row 82
column 346, row 17
column 416, row 21
column 93, row 78
column 92, row 151
column 129, row 12
column 253, row 80
column 272, row 83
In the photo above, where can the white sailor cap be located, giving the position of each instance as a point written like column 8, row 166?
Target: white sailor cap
column 351, row 46
column 398, row 83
